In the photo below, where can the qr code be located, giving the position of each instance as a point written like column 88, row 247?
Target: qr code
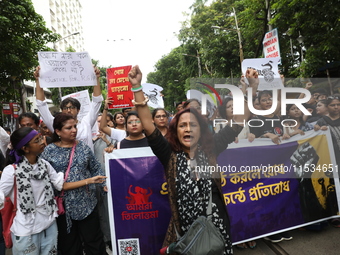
column 128, row 247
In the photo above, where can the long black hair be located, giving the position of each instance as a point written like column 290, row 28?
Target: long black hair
column 59, row 122
column 206, row 140
column 129, row 114
column 222, row 108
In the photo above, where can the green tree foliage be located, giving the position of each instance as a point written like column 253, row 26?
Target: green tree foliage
column 318, row 23
column 171, row 76
column 22, row 35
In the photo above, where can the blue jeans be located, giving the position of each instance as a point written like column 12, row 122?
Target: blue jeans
column 42, row 243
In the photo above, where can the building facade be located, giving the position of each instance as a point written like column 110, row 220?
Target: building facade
column 63, row 17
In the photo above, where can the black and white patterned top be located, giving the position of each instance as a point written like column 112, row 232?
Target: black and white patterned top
column 193, row 192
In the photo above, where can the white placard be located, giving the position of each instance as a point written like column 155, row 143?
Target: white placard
column 84, row 99
column 268, row 71
column 85, row 106
column 66, row 69
column 271, row 46
column 153, row 92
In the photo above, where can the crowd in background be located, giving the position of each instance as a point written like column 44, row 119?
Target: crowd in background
column 41, row 151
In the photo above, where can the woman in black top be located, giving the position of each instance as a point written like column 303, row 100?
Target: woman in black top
column 134, row 131
column 332, row 121
column 188, row 149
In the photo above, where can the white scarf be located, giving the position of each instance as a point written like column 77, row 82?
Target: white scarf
column 24, row 173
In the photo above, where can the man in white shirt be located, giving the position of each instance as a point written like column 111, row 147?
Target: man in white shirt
column 4, row 141
column 72, row 106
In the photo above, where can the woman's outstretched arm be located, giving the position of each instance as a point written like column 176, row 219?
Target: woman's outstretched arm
column 135, row 77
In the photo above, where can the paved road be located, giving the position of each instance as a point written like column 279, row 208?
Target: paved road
column 325, row 242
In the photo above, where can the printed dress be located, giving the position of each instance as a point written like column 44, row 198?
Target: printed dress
column 80, row 202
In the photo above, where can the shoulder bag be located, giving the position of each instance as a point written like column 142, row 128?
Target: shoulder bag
column 7, row 214
column 59, row 199
column 202, row 238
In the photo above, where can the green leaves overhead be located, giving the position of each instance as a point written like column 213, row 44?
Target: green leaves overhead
column 316, row 21
column 22, row 35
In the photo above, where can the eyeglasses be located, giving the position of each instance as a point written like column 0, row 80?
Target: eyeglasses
column 161, row 116
column 27, row 125
column 39, row 139
column 134, row 122
column 334, row 97
column 266, row 100
column 65, row 108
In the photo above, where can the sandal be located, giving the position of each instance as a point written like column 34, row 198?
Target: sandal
column 251, row 244
column 335, row 223
column 241, row 246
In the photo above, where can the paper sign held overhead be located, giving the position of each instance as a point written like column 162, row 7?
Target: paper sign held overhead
column 154, row 93
column 119, row 87
column 268, row 71
column 66, row 69
column 271, row 47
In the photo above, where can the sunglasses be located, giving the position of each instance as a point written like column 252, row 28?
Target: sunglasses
column 134, row 122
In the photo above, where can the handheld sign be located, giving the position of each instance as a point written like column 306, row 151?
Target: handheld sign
column 271, row 47
column 268, row 71
column 154, row 93
column 66, row 69
column 119, row 87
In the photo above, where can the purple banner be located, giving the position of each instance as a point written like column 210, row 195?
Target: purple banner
column 275, row 188
column 140, row 206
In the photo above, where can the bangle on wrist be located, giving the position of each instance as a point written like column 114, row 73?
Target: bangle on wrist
column 143, row 103
column 108, row 145
column 137, row 89
column 106, row 109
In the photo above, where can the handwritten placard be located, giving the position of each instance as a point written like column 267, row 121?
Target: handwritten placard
column 119, row 87
column 66, row 69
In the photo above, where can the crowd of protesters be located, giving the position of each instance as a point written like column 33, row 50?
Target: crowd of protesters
column 39, row 152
